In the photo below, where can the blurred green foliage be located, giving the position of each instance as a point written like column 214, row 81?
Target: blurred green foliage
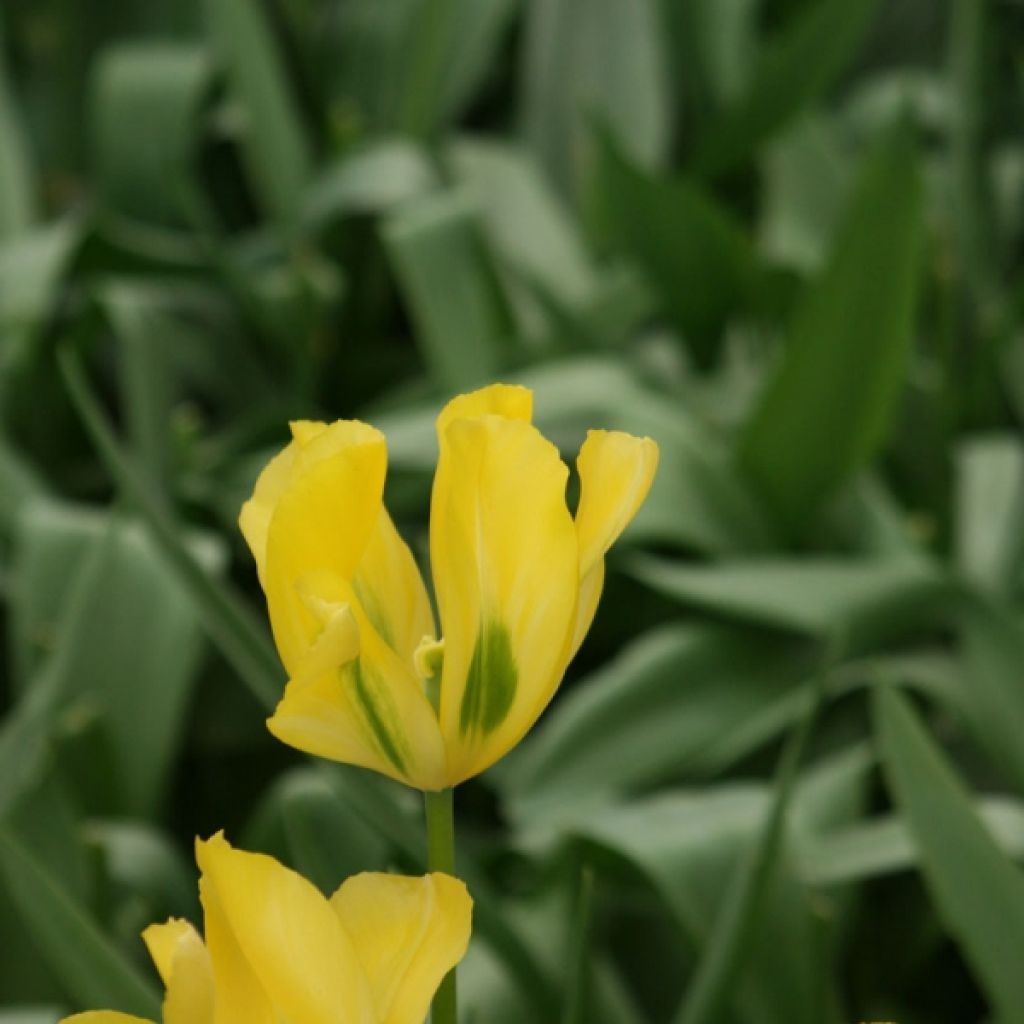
column 785, row 779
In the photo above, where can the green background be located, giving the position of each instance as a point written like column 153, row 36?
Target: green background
column 784, row 780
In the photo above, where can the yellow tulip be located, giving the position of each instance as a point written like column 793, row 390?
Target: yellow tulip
column 517, row 580
column 277, row 950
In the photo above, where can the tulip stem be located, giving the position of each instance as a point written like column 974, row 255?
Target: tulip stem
column 440, row 808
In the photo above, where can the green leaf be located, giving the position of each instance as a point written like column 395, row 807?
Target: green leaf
column 445, row 269
column 274, row 143
column 26, row 731
column 989, row 491
column 31, row 266
column 145, row 109
column 865, row 599
column 592, row 58
column 528, row 226
column 807, row 179
column 883, row 845
column 94, row 972
column 19, row 483
column 229, row 623
column 17, row 199
column 30, row 1015
column 688, row 845
column 372, row 180
column 796, row 68
column 447, row 43
column 128, row 649
column 679, row 700
column 992, row 652
column 730, row 940
column 692, row 250
column 826, row 408
column 978, row 893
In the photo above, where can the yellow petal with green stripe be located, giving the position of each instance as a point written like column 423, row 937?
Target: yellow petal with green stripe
column 505, row 563
column 391, row 591
column 356, row 700
column 408, row 934
column 279, row 946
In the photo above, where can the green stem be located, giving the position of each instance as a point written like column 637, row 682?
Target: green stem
column 440, row 808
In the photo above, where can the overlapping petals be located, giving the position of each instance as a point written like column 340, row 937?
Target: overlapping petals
column 277, row 950
column 517, row 581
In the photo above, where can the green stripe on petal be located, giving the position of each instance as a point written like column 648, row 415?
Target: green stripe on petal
column 379, row 715
column 491, row 681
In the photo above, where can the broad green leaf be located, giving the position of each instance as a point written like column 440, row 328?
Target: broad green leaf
column 827, row 406
column 31, row 267
column 971, row 25
column 228, row 621
column 19, row 483
column 576, row 1003
column 17, row 198
column 274, row 142
column 27, row 729
column 860, row 598
column 30, row 1015
column 450, row 284
column 729, row 944
column 676, row 703
column 989, row 492
column 447, row 45
column 992, row 653
column 145, row 338
column 372, row 180
column 795, row 68
column 725, row 43
column 129, row 650
column 592, row 58
column 692, row 250
column 978, row 892
column 94, row 972
column 882, row 845
column 527, row 224
column 145, row 107
column 688, row 846
column 807, row 178
column 473, row 52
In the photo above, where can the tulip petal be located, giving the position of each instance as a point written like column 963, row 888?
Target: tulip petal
column 254, row 518
column 184, row 965
column 510, row 401
column 408, row 933
column 276, row 945
column 616, row 471
column 372, row 712
column 327, row 503
column 504, row 556
column 391, row 590
column 104, row 1017
column 359, row 703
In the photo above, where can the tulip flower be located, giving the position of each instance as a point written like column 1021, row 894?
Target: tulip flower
column 516, row 576
column 277, row 950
